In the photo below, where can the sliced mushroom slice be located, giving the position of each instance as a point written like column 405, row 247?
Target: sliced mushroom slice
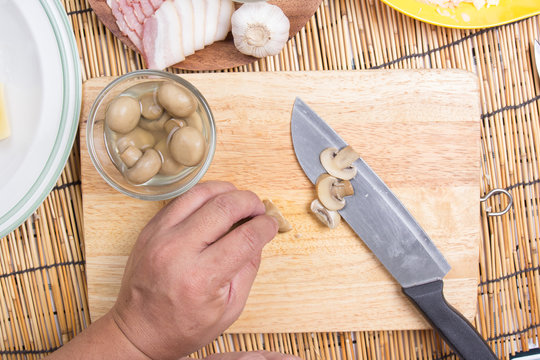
column 327, row 217
column 332, row 191
column 339, row 163
column 144, row 169
column 273, row 211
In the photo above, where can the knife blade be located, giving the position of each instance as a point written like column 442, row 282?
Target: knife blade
column 391, row 233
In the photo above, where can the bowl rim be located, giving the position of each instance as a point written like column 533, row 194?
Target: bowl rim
column 90, row 131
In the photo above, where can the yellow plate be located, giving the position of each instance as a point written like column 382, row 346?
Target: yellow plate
column 466, row 16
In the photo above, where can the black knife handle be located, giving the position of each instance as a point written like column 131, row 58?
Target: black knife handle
column 456, row 331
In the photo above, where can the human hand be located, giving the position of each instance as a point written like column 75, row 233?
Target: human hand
column 189, row 275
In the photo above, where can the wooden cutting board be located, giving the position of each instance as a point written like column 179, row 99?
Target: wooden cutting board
column 418, row 129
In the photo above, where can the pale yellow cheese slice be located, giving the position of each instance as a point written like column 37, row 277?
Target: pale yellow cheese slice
column 4, row 125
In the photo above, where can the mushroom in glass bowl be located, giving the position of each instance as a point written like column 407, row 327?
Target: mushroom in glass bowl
column 142, row 136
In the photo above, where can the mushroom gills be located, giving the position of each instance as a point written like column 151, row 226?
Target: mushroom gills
column 340, row 163
column 273, row 211
column 327, row 217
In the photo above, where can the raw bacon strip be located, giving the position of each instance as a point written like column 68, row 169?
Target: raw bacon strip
column 135, row 39
column 122, row 25
column 137, row 10
column 224, row 19
column 185, row 11
column 162, row 37
column 199, row 20
column 146, row 7
column 212, row 14
column 130, row 18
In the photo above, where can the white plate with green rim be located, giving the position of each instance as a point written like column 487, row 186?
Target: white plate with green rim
column 39, row 66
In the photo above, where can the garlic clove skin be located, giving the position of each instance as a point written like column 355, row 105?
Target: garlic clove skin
column 260, row 29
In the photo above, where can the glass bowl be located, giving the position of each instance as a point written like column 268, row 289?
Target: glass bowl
column 106, row 158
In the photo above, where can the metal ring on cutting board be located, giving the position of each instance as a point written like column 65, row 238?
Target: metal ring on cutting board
column 497, row 192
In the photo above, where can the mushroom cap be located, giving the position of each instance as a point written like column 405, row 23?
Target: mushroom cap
column 327, row 217
column 178, row 101
column 138, row 138
column 187, row 146
column 169, row 166
column 144, row 169
column 195, row 120
column 123, row 114
column 331, row 191
column 272, row 210
column 339, row 163
column 150, row 108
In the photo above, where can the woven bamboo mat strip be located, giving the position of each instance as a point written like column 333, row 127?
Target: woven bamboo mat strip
column 42, row 273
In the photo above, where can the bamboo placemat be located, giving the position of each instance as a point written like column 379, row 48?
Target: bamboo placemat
column 42, row 273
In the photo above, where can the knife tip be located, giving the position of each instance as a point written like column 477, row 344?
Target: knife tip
column 298, row 101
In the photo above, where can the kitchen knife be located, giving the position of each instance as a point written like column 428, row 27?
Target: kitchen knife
column 391, row 233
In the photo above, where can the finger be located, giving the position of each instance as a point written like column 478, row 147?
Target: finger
column 241, row 246
column 186, row 204
column 218, row 215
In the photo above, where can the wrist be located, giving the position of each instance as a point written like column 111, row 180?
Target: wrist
column 101, row 340
column 125, row 348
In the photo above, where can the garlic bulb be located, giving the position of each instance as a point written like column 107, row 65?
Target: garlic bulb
column 260, row 29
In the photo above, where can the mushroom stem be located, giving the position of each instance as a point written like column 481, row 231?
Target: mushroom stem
column 131, row 155
column 340, row 189
column 172, row 124
column 345, row 157
column 144, row 169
